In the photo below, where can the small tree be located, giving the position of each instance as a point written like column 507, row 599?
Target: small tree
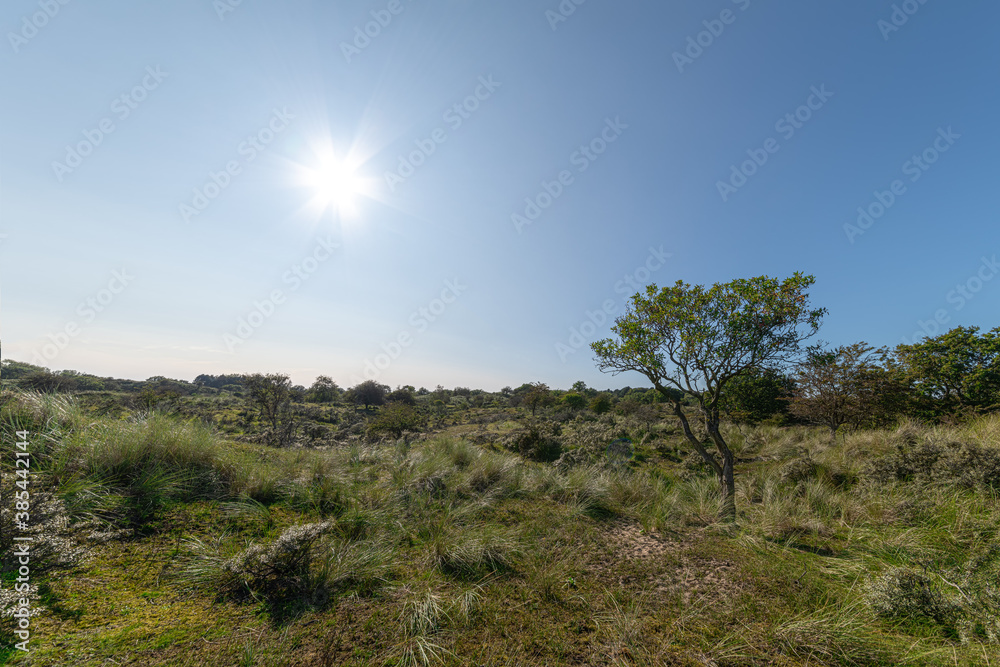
column 692, row 341
column 394, row 419
column 369, row 393
column 574, row 401
column 402, row 395
column 600, row 404
column 956, row 373
column 323, row 390
column 271, row 395
column 829, row 385
column 538, row 396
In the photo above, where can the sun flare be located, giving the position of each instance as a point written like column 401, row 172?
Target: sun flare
column 335, row 183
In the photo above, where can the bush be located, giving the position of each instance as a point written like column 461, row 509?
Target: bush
column 797, row 470
column 394, row 419
column 280, row 568
column 966, row 464
column 540, row 441
column 901, row 593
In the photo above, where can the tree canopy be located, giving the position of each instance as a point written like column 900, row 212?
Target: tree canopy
column 693, row 340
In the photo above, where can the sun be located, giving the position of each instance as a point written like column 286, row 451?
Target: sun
column 335, row 183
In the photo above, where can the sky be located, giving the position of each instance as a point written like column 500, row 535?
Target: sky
column 466, row 193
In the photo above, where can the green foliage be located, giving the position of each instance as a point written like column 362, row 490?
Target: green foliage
column 539, row 441
column 394, row 419
column 967, row 465
column 756, row 395
column 271, row 395
column 574, row 401
column 691, row 340
column 323, row 390
column 600, row 404
column 402, row 395
column 847, row 385
column 902, row 593
column 369, row 393
column 12, row 370
column 538, row 396
column 955, row 374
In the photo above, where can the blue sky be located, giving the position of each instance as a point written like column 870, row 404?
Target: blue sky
column 161, row 213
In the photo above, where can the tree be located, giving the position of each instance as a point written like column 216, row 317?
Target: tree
column 838, row 386
column 600, row 404
column 270, row 394
column 402, row 395
column 394, row 419
column 957, row 372
column 693, row 341
column 758, row 394
column 574, row 400
column 369, row 393
column 538, row 396
column 323, row 390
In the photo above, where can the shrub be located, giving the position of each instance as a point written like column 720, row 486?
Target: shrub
column 901, row 593
column 394, row 419
column 280, row 568
column 966, row 464
column 540, row 441
column 797, row 470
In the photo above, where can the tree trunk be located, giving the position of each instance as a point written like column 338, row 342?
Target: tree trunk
column 728, row 483
column 709, row 459
column 727, row 479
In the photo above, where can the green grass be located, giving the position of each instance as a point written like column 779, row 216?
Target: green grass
column 441, row 551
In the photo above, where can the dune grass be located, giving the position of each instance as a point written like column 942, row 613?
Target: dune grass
column 879, row 549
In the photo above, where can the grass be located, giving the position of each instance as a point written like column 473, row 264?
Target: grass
column 441, row 551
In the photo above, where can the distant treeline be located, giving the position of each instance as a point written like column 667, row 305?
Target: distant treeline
column 37, row 378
